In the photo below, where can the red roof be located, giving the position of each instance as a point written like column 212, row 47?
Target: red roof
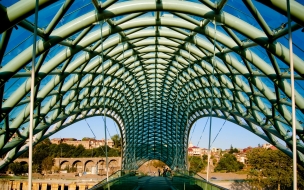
column 194, row 147
column 273, row 147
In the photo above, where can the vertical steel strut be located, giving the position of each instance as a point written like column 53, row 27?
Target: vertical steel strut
column 30, row 168
column 293, row 109
column 211, row 107
column 104, row 100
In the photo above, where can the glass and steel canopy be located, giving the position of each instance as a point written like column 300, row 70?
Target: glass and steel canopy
column 149, row 65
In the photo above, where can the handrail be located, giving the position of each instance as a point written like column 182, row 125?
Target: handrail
column 199, row 181
column 180, row 178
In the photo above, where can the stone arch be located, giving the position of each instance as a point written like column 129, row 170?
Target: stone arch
column 64, row 165
column 101, row 165
column 113, row 165
column 89, row 165
column 77, row 166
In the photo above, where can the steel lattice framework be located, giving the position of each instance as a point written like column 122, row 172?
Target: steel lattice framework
column 148, row 65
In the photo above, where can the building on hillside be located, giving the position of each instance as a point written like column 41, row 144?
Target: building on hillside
column 204, row 151
column 269, row 146
column 101, row 142
column 62, row 140
column 87, row 143
column 216, row 150
column 194, row 151
column 242, row 158
column 246, row 149
column 197, row 151
column 56, row 140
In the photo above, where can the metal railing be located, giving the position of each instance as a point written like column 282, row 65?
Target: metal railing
column 128, row 180
column 185, row 180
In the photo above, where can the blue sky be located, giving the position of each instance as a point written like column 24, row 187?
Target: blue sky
column 231, row 134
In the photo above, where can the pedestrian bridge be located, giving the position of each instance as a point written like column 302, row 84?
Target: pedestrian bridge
column 178, row 180
column 155, row 67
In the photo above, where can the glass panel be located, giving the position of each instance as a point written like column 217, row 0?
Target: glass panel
column 20, row 40
column 8, row 3
column 11, row 86
column 77, row 9
column 46, row 15
column 272, row 17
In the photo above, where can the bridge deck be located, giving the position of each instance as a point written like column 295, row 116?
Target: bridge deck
column 152, row 183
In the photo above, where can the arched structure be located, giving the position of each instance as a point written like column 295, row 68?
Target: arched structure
column 78, row 166
column 154, row 72
column 64, row 165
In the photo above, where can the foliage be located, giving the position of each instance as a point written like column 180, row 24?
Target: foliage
column 233, row 150
column 47, row 163
column 37, row 168
column 18, row 168
column 272, row 169
column 158, row 164
column 117, row 141
column 87, row 138
column 205, row 157
column 214, row 161
column 4, row 169
column 197, row 164
column 229, row 163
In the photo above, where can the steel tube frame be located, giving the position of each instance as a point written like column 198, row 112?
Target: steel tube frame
column 19, row 11
column 296, row 9
column 258, row 18
column 142, row 57
column 284, row 90
column 248, row 30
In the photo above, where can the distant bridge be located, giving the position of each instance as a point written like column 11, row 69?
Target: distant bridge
column 93, row 165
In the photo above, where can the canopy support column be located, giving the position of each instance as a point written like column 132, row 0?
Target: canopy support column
column 211, row 107
column 32, row 100
column 293, row 109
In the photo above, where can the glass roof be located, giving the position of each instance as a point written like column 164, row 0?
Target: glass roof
column 153, row 66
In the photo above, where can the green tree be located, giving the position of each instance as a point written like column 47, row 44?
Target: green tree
column 214, row 161
column 117, row 141
column 87, row 138
column 233, row 150
column 25, row 168
column 272, row 169
column 229, row 163
column 47, row 164
column 205, row 157
column 78, row 151
column 113, row 152
column 37, row 168
column 17, row 168
column 197, row 164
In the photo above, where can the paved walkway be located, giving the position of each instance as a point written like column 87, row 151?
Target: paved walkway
column 154, row 183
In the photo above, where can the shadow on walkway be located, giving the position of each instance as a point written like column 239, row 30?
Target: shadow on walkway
column 154, row 183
